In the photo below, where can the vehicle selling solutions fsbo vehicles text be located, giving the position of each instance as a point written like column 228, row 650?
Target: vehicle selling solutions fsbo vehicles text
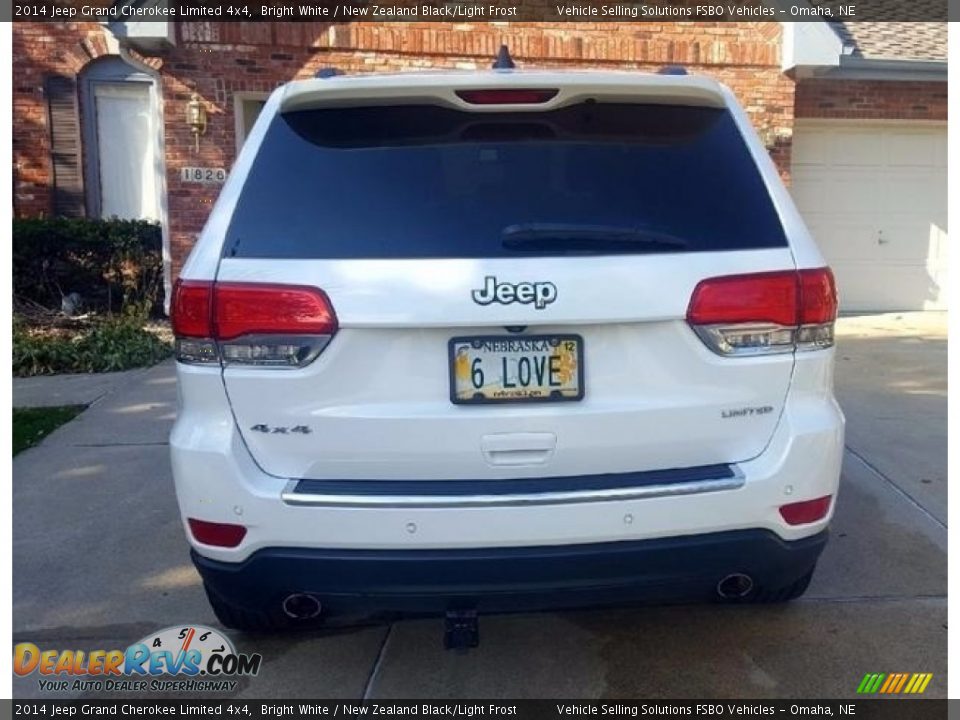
column 632, row 10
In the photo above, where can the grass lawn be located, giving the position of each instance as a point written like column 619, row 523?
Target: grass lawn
column 31, row 425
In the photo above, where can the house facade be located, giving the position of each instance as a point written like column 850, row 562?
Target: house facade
column 853, row 115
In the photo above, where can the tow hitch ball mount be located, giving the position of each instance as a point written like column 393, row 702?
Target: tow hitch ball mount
column 461, row 630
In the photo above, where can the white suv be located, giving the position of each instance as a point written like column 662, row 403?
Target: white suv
column 482, row 341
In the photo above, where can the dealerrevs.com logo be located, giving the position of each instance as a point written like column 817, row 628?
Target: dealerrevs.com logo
column 175, row 659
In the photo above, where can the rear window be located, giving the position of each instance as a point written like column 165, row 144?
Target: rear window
column 423, row 181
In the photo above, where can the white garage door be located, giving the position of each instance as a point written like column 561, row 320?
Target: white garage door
column 874, row 195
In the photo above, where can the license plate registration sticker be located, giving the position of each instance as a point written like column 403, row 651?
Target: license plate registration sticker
column 516, row 368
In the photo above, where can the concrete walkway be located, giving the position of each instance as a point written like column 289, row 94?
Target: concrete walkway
column 76, row 389
column 100, row 560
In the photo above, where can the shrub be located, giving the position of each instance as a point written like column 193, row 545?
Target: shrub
column 116, row 343
column 113, row 264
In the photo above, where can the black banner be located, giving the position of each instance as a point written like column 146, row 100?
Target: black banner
column 478, row 10
column 892, row 709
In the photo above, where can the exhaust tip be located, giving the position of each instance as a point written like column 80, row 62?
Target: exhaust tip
column 735, row 586
column 301, row 606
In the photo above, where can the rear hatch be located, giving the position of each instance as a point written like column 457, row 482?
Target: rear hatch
column 446, row 233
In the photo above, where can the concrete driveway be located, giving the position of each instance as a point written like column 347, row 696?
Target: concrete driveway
column 99, row 560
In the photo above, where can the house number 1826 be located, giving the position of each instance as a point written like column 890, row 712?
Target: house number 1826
column 203, row 175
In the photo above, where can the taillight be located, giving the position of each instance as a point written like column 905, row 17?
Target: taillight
column 266, row 325
column 190, row 310
column 507, row 96
column 818, row 296
column 216, row 534
column 247, row 309
column 191, row 316
column 806, row 511
column 765, row 313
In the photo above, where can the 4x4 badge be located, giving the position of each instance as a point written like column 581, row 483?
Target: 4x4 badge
column 280, row 430
column 540, row 294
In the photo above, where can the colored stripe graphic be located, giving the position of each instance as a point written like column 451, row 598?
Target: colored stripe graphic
column 894, row 683
column 920, row 684
column 891, row 681
column 870, row 683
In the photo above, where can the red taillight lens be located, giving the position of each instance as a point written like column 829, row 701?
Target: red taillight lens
column 807, row 511
column 818, row 297
column 256, row 309
column 507, row 96
column 764, row 297
column 216, row 534
column 190, row 311
column 806, row 297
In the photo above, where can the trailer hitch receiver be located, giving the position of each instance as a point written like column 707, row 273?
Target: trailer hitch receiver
column 461, row 630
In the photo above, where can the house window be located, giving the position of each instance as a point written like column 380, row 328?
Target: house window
column 246, row 110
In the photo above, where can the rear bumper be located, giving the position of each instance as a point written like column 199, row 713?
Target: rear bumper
column 217, row 480
column 365, row 582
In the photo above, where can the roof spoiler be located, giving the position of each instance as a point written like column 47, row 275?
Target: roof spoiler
column 442, row 89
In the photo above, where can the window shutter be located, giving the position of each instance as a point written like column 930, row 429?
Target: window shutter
column 64, row 124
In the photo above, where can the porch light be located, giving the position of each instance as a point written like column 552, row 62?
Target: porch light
column 196, row 119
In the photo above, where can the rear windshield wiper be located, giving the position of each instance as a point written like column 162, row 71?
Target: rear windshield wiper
column 532, row 237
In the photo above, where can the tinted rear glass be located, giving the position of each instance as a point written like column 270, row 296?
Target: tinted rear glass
column 422, row 181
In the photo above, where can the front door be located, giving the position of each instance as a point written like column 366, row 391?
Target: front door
column 127, row 162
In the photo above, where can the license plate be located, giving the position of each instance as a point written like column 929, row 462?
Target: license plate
column 516, row 368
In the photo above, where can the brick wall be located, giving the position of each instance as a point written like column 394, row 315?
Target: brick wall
column 871, row 100
column 218, row 60
column 40, row 50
